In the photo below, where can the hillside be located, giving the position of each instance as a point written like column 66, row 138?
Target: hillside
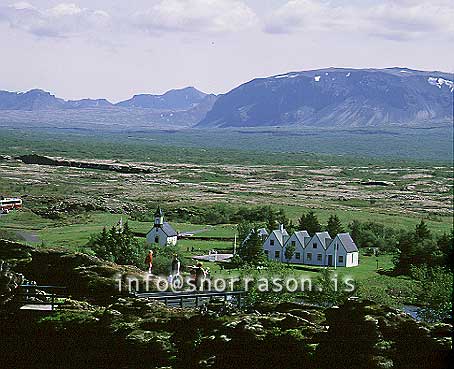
column 336, row 97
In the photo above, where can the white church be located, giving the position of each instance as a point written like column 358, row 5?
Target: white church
column 162, row 233
column 320, row 249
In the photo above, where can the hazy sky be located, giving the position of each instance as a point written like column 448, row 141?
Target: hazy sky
column 114, row 49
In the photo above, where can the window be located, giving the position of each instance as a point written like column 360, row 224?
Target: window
column 293, row 243
column 297, row 256
column 156, row 239
column 277, row 254
column 271, row 242
column 309, row 256
column 314, row 245
column 266, row 252
column 319, row 257
column 341, row 258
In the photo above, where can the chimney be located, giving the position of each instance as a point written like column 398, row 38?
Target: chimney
column 281, row 227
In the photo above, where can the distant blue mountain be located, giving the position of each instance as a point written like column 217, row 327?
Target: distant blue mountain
column 182, row 99
column 42, row 100
column 337, row 97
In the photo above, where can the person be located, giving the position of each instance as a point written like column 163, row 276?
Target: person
column 200, row 274
column 176, row 264
column 149, row 261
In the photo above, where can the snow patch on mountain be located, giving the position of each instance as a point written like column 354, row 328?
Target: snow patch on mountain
column 439, row 82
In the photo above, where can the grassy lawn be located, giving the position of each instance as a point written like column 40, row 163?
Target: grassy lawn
column 223, row 230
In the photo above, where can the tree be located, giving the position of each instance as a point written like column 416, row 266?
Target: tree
column 310, row 223
column 334, row 225
column 435, row 293
column 283, row 219
column 243, row 229
column 422, row 232
column 271, row 223
column 289, row 251
column 251, row 250
column 118, row 245
column 302, row 222
column 445, row 244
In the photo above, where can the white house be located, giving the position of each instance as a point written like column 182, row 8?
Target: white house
column 342, row 252
column 274, row 244
column 162, row 233
column 298, row 240
column 315, row 251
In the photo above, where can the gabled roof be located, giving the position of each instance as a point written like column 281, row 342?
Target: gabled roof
column 280, row 235
column 168, row 230
column 301, row 236
column 262, row 232
column 347, row 242
column 323, row 237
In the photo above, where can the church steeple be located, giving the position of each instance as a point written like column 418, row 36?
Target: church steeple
column 158, row 217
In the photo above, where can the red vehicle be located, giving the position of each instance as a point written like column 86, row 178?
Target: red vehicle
column 7, row 204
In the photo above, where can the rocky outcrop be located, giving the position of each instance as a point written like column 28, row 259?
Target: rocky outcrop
column 113, row 167
column 9, row 282
column 136, row 333
column 84, row 276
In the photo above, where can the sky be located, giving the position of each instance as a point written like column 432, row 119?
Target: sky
column 114, row 48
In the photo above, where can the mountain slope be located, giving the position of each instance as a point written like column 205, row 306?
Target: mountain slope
column 337, row 97
column 182, row 99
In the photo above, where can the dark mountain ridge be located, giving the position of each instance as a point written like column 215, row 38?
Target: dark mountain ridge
column 337, row 97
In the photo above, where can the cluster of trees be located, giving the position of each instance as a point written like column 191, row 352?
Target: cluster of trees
column 420, row 247
column 118, row 245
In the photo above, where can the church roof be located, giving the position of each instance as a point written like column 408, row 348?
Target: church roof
column 168, row 230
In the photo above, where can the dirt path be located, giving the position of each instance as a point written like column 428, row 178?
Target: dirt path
column 29, row 237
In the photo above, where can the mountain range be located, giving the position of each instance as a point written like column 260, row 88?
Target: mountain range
column 332, row 97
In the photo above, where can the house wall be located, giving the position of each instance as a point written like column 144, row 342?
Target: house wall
column 299, row 249
column 311, row 253
column 339, row 252
column 273, row 248
column 352, row 259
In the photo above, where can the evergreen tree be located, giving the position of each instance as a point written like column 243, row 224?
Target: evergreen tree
column 243, row 229
column 271, row 223
column 118, row 245
column 422, row 232
column 310, row 223
column 302, row 222
column 251, row 251
column 283, row 219
column 334, row 226
column 445, row 244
